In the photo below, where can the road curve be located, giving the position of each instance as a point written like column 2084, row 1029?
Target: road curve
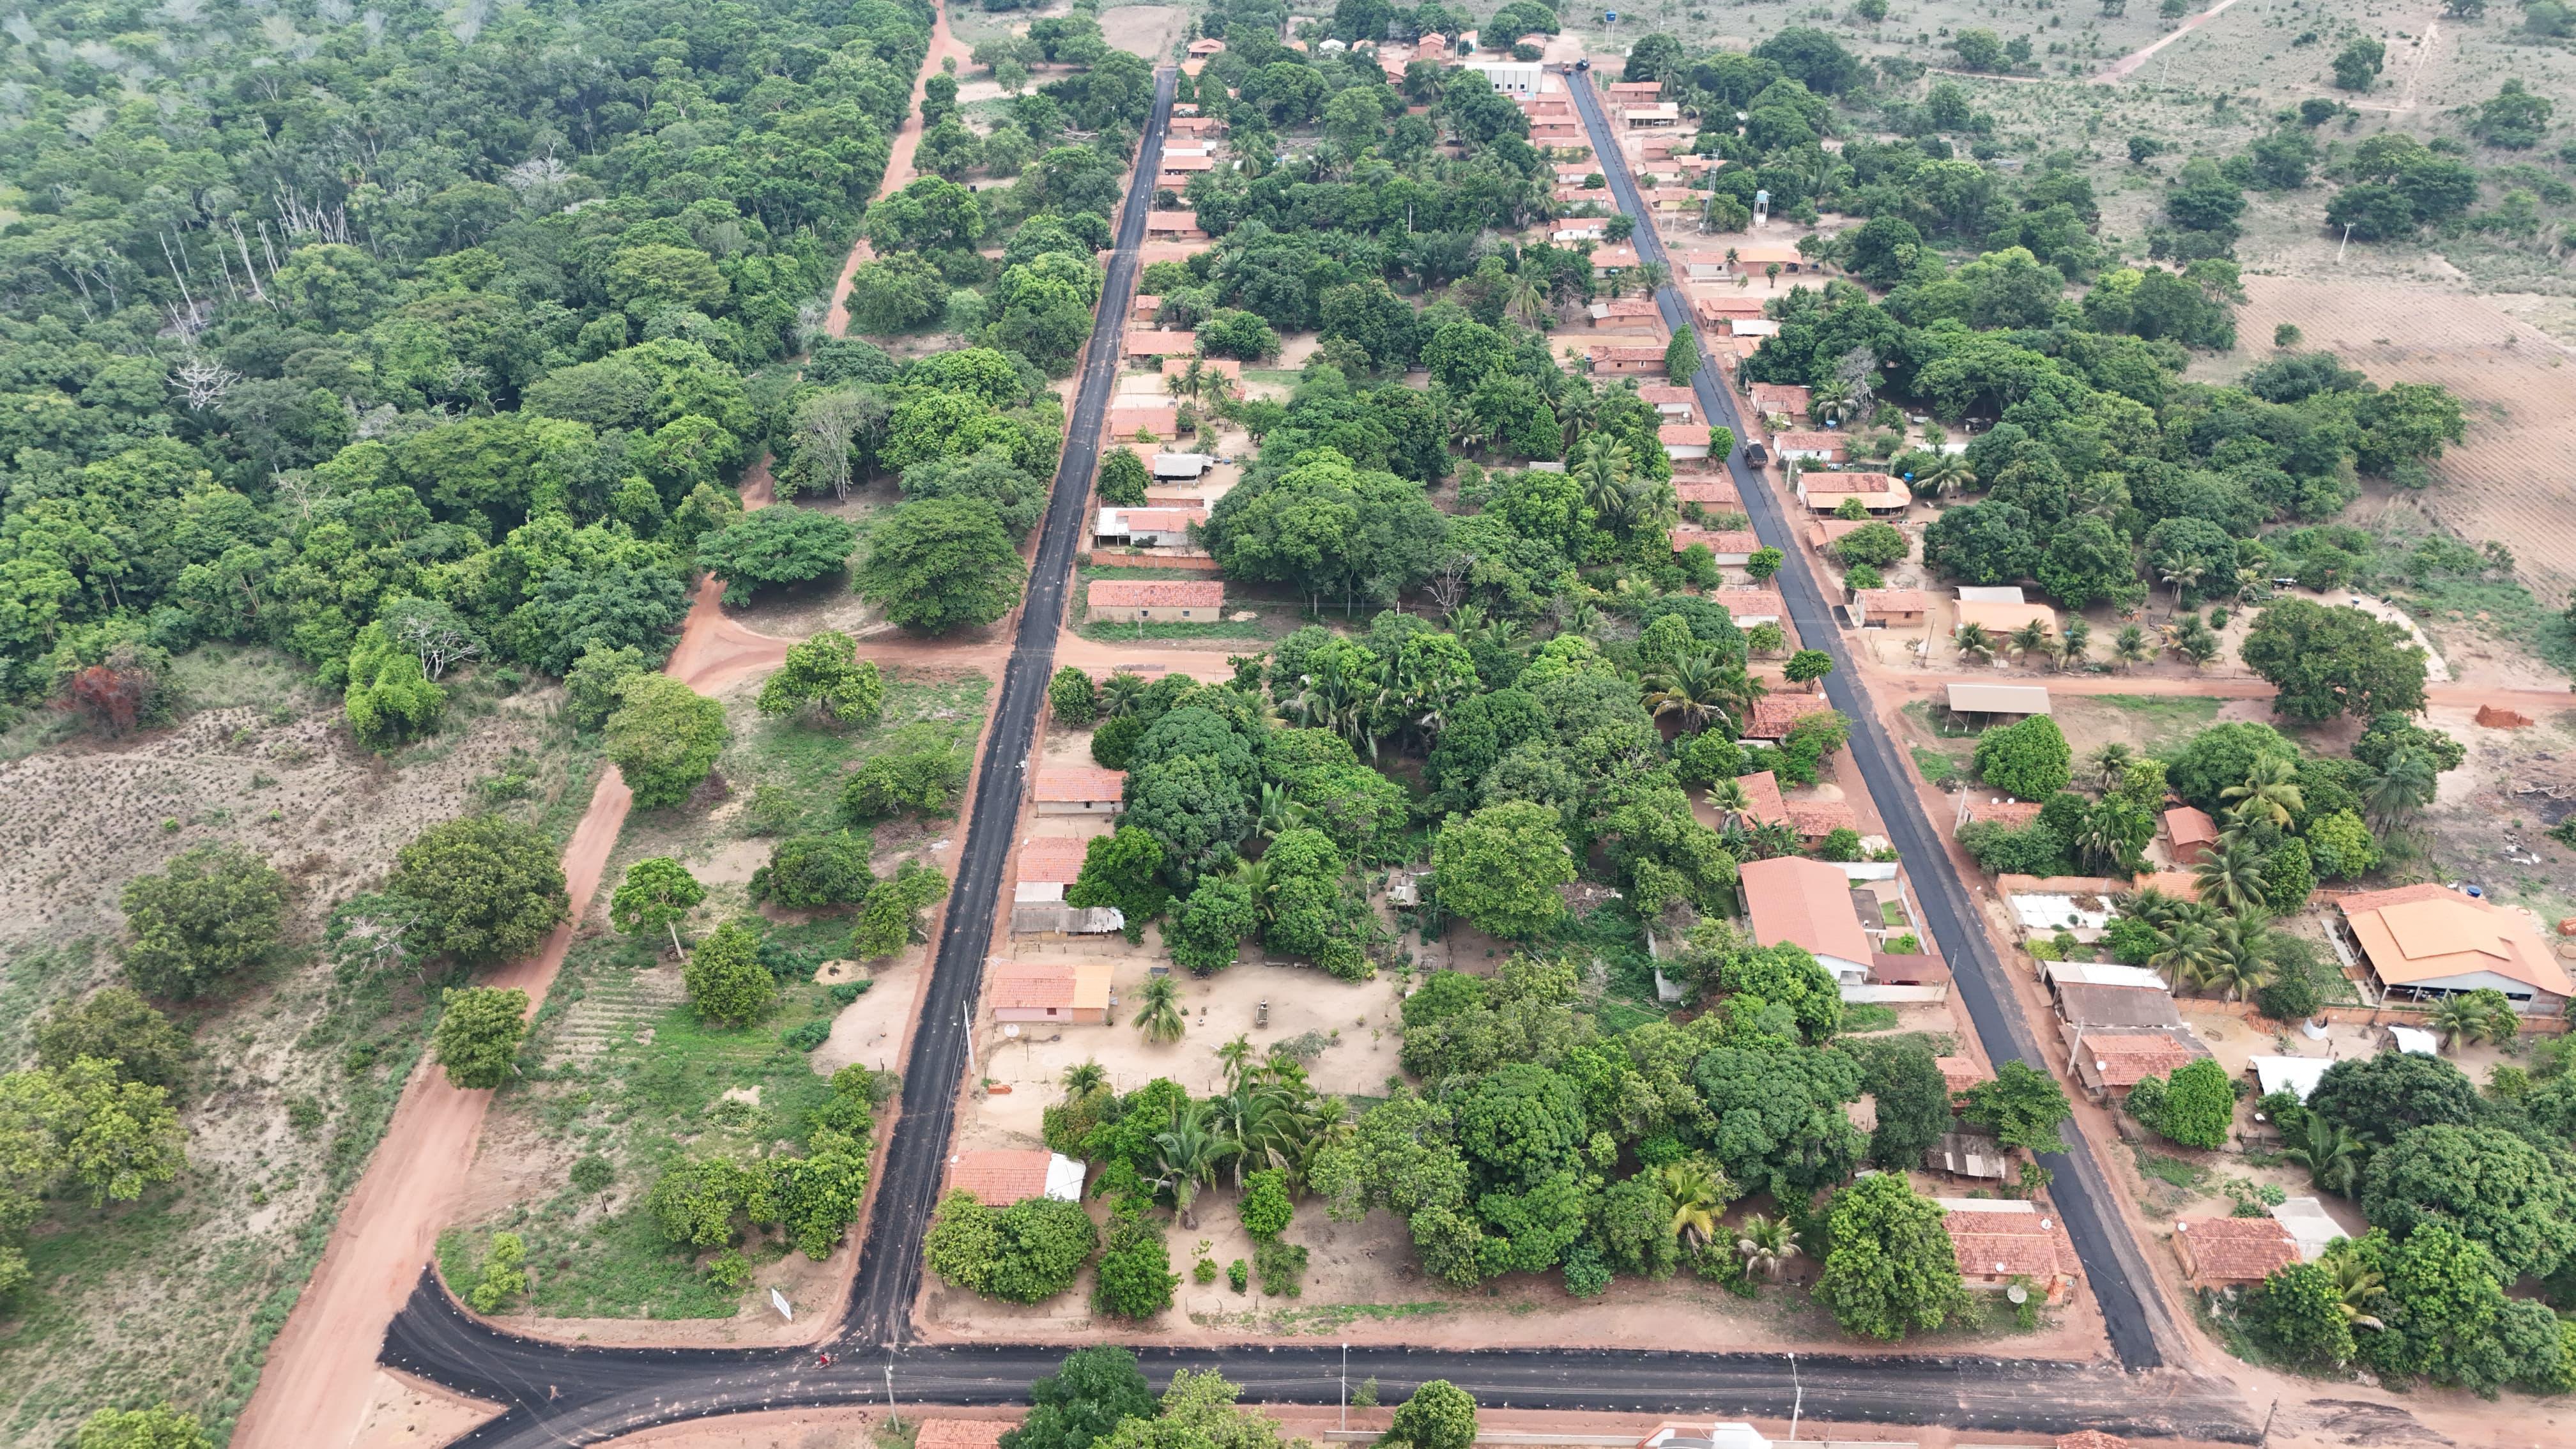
column 561, row 1395
column 2140, row 1326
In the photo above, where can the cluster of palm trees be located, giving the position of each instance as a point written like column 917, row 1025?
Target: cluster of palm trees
column 1699, row 687
column 2224, row 941
column 2071, row 646
column 1268, row 1116
column 1627, row 504
column 1767, row 840
column 1695, row 1193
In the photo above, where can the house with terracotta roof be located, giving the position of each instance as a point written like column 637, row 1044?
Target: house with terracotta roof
column 1609, row 260
column 1576, row 194
column 1731, row 547
column 2110, row 1064
column 1959, row 1074
column 2426, row 942
column 1718, row 493
column 1890, row 608
column 1825, row 492
column 2191, row 832
column 1432, row 47
column 1756, row 257
column 1763, row 804
column 1206, row 46
column 1561, row 137
column 1048, row 865
column 1574, row 174
column 1748, row 607
column 1174, row 226
column 1625, row 314
column 2001, row 621
column 999, row 1177
column 1160, row 600
column 1776, row 398
column 2232, row 1252
column 1654, row 116
column 1676, row 404
column 1580, row 229
column 1769, row 719
column 1197, row 126
column 1154, row 419
column 1617, row 360
column 1623, row 92
column 1724, row 312
column 1816, row 819
column 1080, row 790
column 1685, row 442
column 1176, row 170
column 1075, row 992
column 963, row 1433
column 1807, row 903
column 1149, row 342
column 1809, row 447
column 1998, row 1242
column 1150, row 527
column 1671, row 200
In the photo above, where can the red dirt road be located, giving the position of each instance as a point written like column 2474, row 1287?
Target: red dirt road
column 314, row 1390
column 907, row 140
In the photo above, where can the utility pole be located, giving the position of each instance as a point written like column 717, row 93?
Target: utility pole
column 1796, row 1404
column 893, row 1414
column 2347, row 241
column 1346, row 1387
column 965, row 1014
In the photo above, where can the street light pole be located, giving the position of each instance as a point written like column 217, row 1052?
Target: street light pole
column 893, row 1414
column 1346, row 1386
column 1796, row 1404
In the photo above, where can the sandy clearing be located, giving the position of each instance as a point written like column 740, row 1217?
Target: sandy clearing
column 1144, row 30
column 405, row 1413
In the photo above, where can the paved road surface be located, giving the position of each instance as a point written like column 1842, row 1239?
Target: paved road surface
column 576, row 1395
column 563, row 1394
column 2139, row 1324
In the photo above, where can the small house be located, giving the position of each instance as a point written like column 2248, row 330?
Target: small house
column 1758, row 258
column 1624, row 93
column 1772, row 715
column 1152, row 343
column 1748, row 607
column 1157, row 600
column 2109, row 1064
column 1511, row 77
column 1220, row 367
column 1197, row 126
column 1001, row 1177
column 1776, row 399
column 1816, row 819
column 1150, row 527
column 1615, row 360
column 1613, row 259
column 1968, row 1155
column 1176, row 169
column 1153, row 419
column 2232, row 1252
column 1959, row 1074
column 1625, row 314
column 2001, row 1242
column 1810, row 447
column 1731, row 548
column 2191, row 832
column 1685, row 442
column 1660, row 115
column 1825, row 492
column 1174, row 226
column 1080, row 789
column 1891, row 608
column 1763, row 803
column 1048, row 867
column 1675, row 403
column 1709, row 493
column 1727, row 312
column 1206, row 46
column 1071, row 992
column 1809, row 903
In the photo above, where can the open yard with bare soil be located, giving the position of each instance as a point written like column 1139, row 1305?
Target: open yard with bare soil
column 178, row 1294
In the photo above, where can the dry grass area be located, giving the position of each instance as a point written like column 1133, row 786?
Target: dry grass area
column 1146, row 30
column 177, row 1295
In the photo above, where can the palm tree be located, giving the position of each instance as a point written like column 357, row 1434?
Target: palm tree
column 1830, row 401
column 2111, row 764
column 2271, row 790
column 1523, row 302
column 2356, row 1286
column 2331, row 1154
column 1694, row 689
column 1279, row 814
column 1727, row 797
column 1766, row 1245
column 1696, row 1195
column 2185, row 949
column 1651, row 276
column 1235, row 1056
column 1084, row 1078
column 2077, row 643
column 1158, row 1011
column 1119, row 693
column 1602, row 468
column 1255, row 875
column 1946, row 474
column 1186, row 1157
column 2404, row 785
column 2231, row 875
column 2182, row 576
column 2243, row 948
column 1975, row 642
column 2470, row 1017
column 2130, row 647
column 2031, row 638
column 2105, row 835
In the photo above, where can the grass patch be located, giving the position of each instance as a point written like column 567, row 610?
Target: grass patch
column 1110, row 631
column 1868, row 1016
column 810, row 762
column 642, row 1107
column 1327, row 1319
column 1943, row 770
column 1088, row 572
column 1938, row 723
column 1892, row 915
column 2500, row 609
column 2171, row 1171
column 2163, row 718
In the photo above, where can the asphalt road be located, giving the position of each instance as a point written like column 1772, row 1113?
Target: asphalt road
column 560, row 1394
column 2138, row 1323
column 563, row 1395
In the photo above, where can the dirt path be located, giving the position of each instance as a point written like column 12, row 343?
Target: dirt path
column 319, row 1379
column 2127, row 65
column 899, row 172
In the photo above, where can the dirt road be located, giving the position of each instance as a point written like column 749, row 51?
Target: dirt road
column 907, row 140
column 2127, row 65
column 314, row 1390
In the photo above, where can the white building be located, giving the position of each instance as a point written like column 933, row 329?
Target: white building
column 1516, row 78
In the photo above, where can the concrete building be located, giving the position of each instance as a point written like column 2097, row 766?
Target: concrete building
column 1150, row 528
column 1809, row 447
column 1676, row 404
column 1625, row 314
column 1080, row 790
column 1781, row 399
column 1825, row 492
column 2426, row 942
column 1617, row 360
column 1808, row 902
column 1048, row 865
column 1513, row 78
column 1684, row 442
column 1174, row 226
column 1157, row 600
column 1069, row 992
column 1890, row 608
column 2232, row 1252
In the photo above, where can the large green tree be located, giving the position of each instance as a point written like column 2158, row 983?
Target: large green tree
column 2331, row 660
column 487, row 888
column 664, row 738
column 1500, row 867
column 941, row 564
column 478, row 1034
column 823, row 672
column 1891, row 1270
column 775, row 546
column 215, row 910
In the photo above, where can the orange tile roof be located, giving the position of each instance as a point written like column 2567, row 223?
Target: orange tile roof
column 1706, row 491
column 1156, row 594
column 1053, row 859
column 2426, row 932
column 1814, row 819
column 1717, row 309
column 1812, row 442
column 1601, row 352
column 1667, row 392
column 1615, row 256
column 1840, row 483
column 2128, row 1060
column 1029, row 985
column 1739, row 603
column 2005, row 1255
column 1163, row 520
column 1959, row 1073
column 1782, row 397
column 2189, row 825
column 1683, row 435
column 1774, row 713
column 1792, row 898
column 1145, row 343
column 1762, row 797
column 1732, row 540
column 2238, row 1250
column 1171, row 221
column 999, row 1178
column 2012, row 813
column 1895, row 601
column 1189, row 163
column 1072, row 783
column 1627, row 307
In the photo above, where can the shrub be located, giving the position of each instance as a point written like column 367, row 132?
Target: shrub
column 1025, row 1253
column 1282, row 1267
column 1266, row 1208
column 213, row 911
column 2194, row 1107
column 1135, row 1277
column 2029, row 759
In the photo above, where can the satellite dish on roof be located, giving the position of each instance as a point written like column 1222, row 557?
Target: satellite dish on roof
column 2016, row 1293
